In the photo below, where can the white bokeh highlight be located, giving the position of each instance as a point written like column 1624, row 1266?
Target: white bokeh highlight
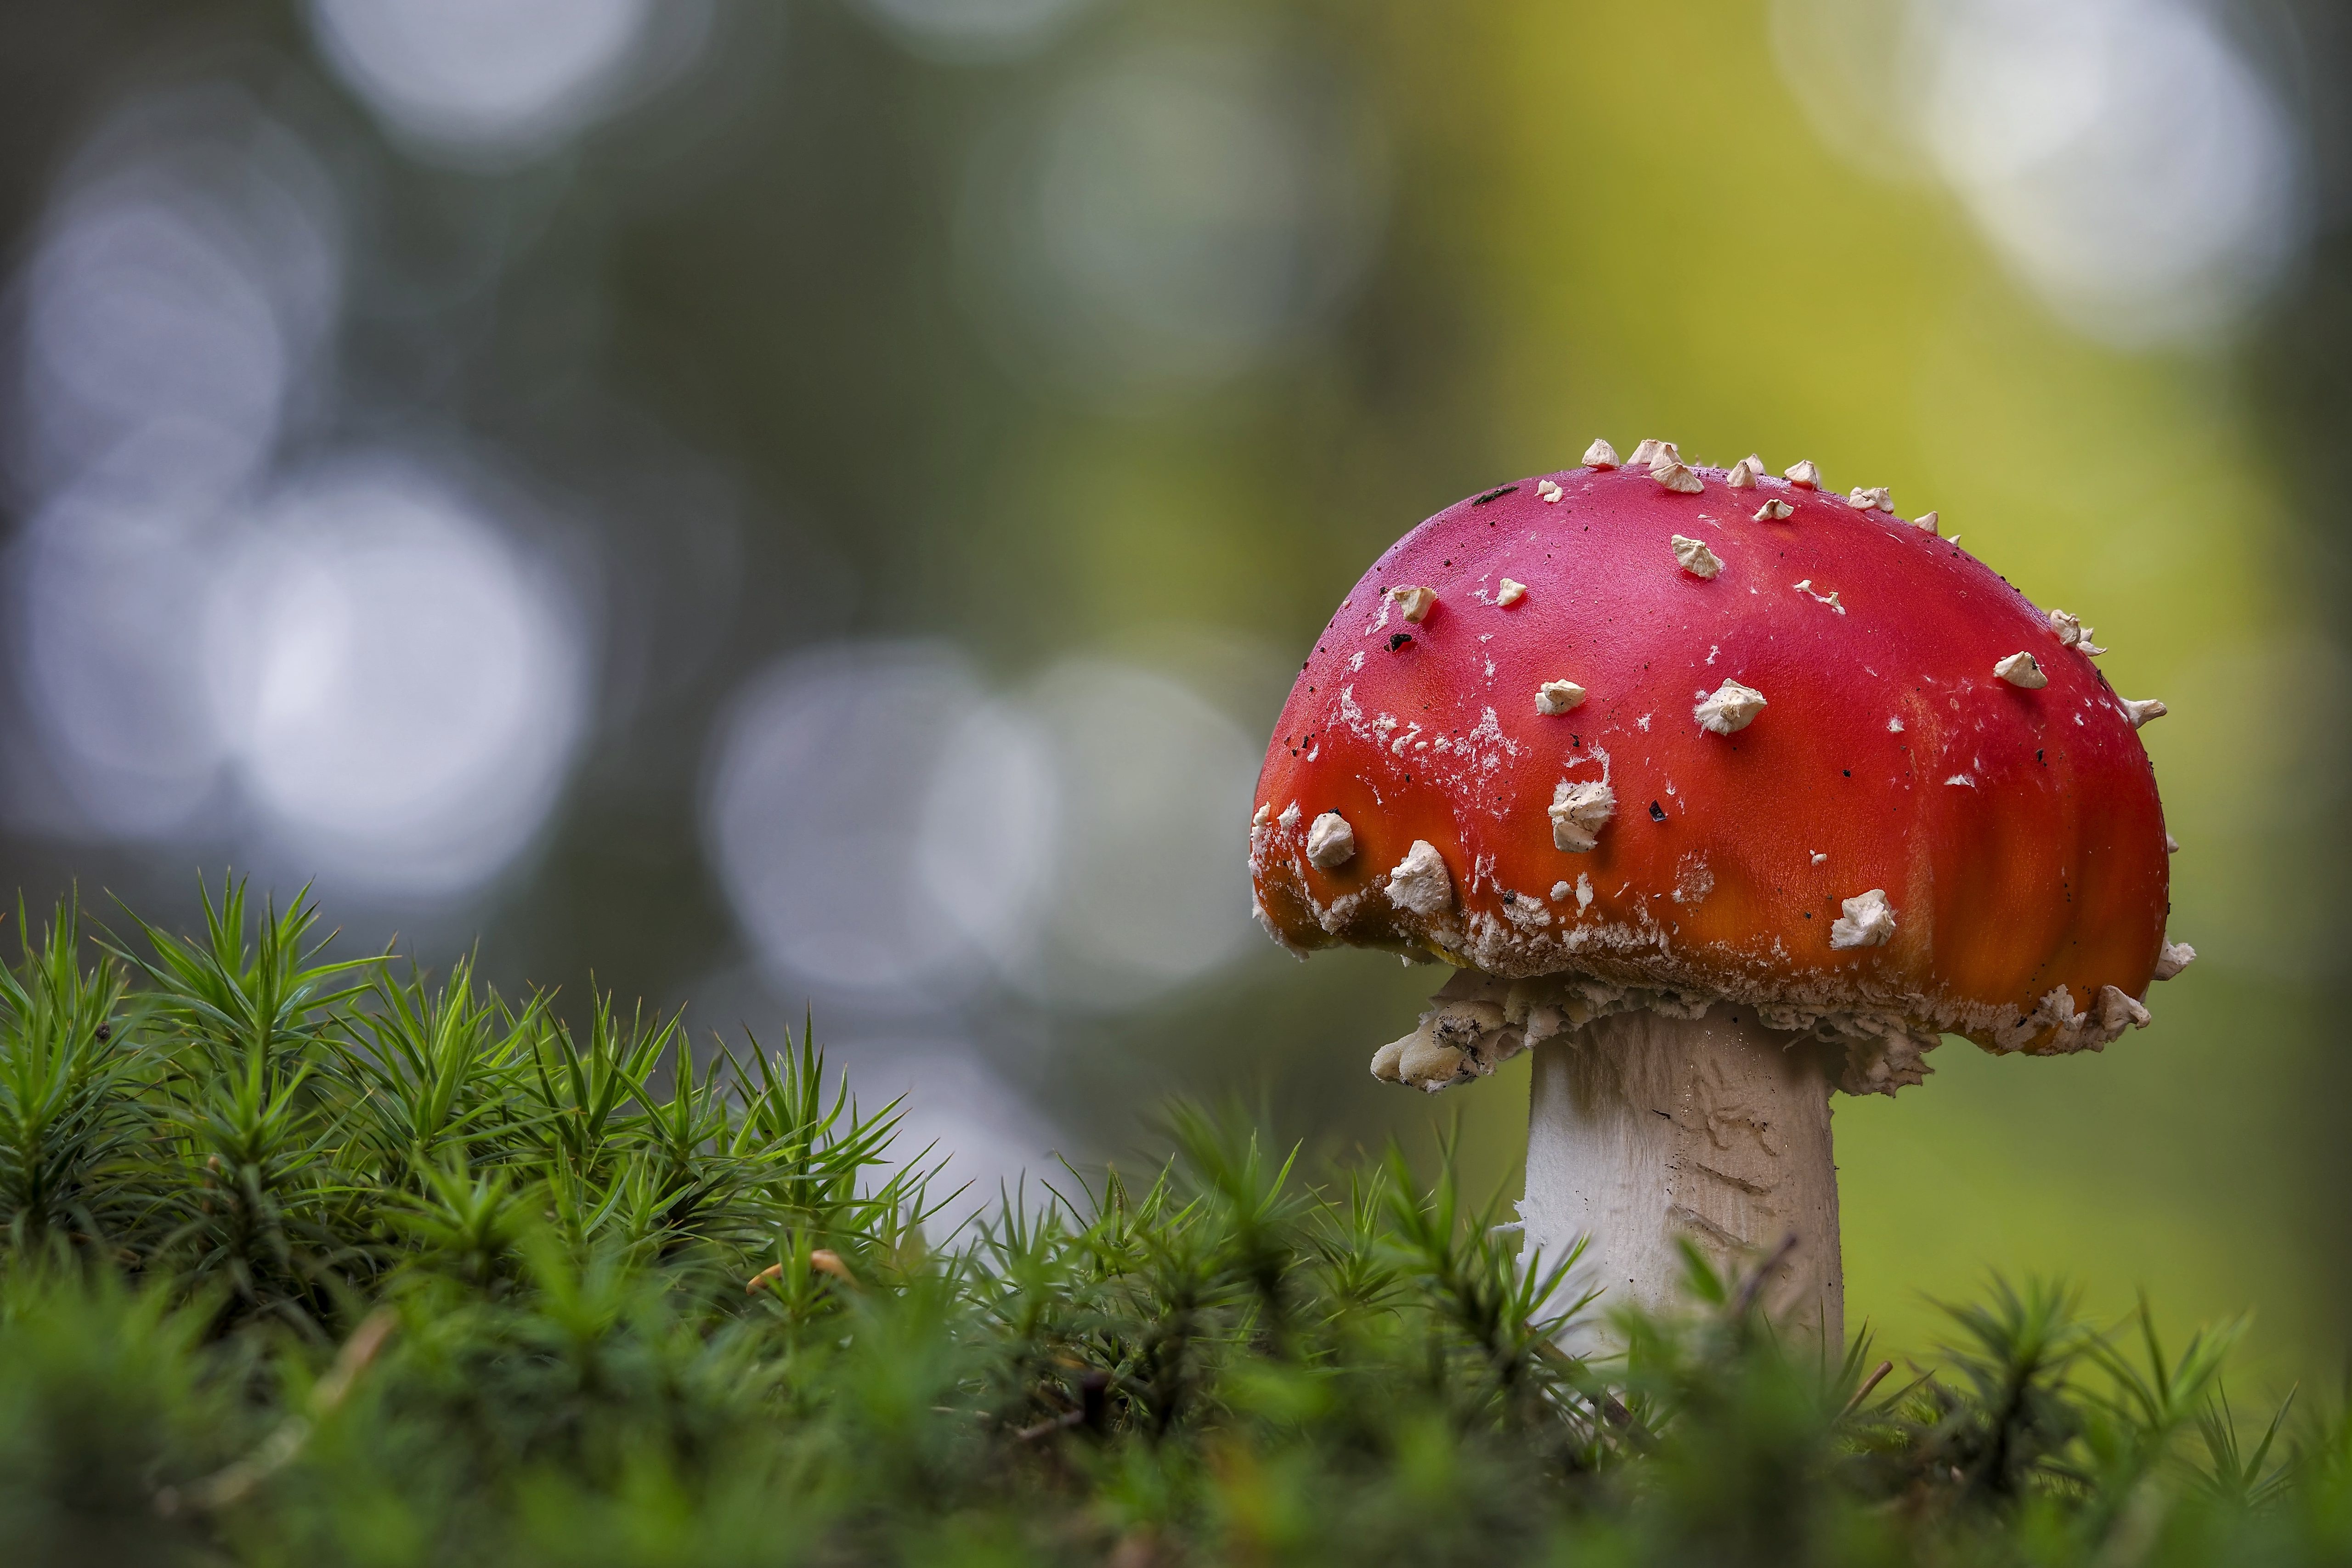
column 2121, row 156
column 105, row 594
column 889, row 830
column 184, row 281
column 186, row 274
column 493, row 82
column 2122, row 159
column 1137, row 888
column 356, row 672
column 402, row 691
column 813, row 813
column 985, row 834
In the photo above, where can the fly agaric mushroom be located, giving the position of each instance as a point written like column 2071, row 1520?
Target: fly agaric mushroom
column 1779, row 841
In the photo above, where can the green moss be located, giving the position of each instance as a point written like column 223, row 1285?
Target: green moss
column 314, row 1262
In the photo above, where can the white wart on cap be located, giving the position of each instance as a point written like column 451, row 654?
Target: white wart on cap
column 1420, row 882
column 1330, row 842
column 1729, row 708
column 1868, row 921
column 1416, row 602
column 1556, row 697
column 1695, row 557
column 1578, row 811
column 2022, row 669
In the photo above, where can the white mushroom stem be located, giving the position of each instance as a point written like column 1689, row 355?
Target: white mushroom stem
column 1644, row 1130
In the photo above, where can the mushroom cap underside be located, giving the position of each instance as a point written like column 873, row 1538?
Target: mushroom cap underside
column 1894, row 828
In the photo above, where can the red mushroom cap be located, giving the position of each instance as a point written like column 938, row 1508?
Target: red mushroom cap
column 1896, row 831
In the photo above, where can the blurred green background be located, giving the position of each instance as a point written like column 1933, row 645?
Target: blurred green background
column 810, row 506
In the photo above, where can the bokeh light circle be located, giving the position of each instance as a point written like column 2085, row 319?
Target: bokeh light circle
column 1145, row 889
column 2121, row 154
column 886, row 828
column 403, row 692
column 189, row 272
column 493, row 77
column 814, row 810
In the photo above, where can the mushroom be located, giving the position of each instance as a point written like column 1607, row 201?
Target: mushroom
column 1703, row 926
